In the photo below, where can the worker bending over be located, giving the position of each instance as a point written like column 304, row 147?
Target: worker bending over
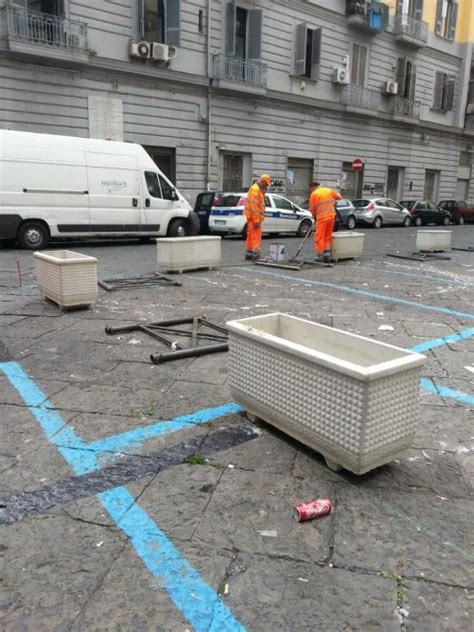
column 322, row 207
column 254, row 211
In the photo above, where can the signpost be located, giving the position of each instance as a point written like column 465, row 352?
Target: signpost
column 357, row 164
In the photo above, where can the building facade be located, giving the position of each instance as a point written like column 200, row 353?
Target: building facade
column 220, row 90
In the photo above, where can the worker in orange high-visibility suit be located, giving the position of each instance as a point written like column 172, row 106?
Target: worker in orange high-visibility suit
column 254, row 211
column 321, row 205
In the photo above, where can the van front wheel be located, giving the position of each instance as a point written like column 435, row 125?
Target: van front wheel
column 178, row 228
column 33, row 235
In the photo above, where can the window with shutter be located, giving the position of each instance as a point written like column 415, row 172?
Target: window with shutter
column 231, row 10
column 358, row 65
column 160, row 21
column 307, row 51
column 444, row 90
column 446, row 18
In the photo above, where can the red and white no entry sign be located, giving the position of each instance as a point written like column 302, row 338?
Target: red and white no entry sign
column 357, row 164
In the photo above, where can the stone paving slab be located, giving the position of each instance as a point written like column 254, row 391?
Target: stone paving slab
column 379, row 562
column 416, row 535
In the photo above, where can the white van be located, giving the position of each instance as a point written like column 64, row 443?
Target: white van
column 67, row 187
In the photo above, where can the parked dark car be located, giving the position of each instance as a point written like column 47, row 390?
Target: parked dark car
column 202, row 207
column 345, row 214
column 376, row 211
column 425, row 212
column 460, row 211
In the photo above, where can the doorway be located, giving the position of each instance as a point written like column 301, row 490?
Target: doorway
column 299, row 175
column 395, row 183
column 431, row 185
column 165, row 160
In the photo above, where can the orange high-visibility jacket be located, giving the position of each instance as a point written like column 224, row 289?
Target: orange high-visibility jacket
column 321, row 203
column 254, row 208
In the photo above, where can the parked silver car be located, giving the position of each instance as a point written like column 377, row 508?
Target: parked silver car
column 346, row 214
column 378, row 211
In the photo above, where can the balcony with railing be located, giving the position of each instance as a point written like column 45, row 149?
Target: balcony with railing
column 402, row 108
column 357, row 98
column 44, row 35
column 242, row 73
column 369, row 17
column 408, row 30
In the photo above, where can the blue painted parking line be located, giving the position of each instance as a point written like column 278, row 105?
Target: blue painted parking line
column 441, row 280
column 444, row 391
column 134, row 438
column 351, row 290
column 440, row 342
column 197, row 601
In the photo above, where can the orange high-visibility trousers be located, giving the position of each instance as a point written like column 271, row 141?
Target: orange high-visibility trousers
column 254, row 236
column 323, row 235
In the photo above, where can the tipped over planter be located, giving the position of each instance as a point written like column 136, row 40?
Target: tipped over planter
column 347, row 245
column 177, row 254
column 67, row 278
column 433, row 240
column 351, row 398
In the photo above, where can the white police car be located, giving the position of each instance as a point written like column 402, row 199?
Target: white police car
column 281, row 215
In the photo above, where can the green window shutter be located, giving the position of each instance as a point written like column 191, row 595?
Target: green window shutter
column 385, row 11
column 411, row 81
column 454, row 19
column 448, row 93
column 401, row 74
column 255, row 34
column 231, row 11
column 316, row 54
column 172, row 13
column 438, row 90
column 399, row 7
column 362, row 65
column 355, row 63
column 439, row 18
column 141, row 18
column 300, row 49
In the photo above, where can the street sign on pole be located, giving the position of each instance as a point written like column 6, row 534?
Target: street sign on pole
column 357, row 164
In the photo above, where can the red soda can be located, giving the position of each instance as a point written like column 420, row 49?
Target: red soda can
column 312, row 510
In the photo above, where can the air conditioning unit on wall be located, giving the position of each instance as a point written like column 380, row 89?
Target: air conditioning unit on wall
column 162, row 52
column 140, row 49
column 340, row 75
column 390, row 87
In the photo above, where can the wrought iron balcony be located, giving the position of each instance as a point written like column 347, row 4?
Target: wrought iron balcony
column 357, row 97
column 44, row 34
column 252, row 73
column 370, row 17
column 410, row 31
column 404, row 108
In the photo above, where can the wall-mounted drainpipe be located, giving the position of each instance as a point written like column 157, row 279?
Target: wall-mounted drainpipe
column 209, row 75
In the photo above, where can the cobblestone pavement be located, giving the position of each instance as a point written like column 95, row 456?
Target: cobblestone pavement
column 109, row 525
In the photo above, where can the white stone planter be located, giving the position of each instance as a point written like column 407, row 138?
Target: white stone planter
column 67, row 278
column 177, row 254
column 353, row 399
column 347, row 245
column 433, row 240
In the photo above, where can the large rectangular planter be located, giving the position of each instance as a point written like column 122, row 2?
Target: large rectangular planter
column 67, row 278
column 177, row 254
column 433, row 240
column 351, row 398
column 347, row 245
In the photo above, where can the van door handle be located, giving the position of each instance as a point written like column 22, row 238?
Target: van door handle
column 135, row 202
column 147, row 202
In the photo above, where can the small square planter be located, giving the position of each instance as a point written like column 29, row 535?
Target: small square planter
column 67, row 278
column 353, row 399
column 347, row 245
column 433, row 240
column 177, row 254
